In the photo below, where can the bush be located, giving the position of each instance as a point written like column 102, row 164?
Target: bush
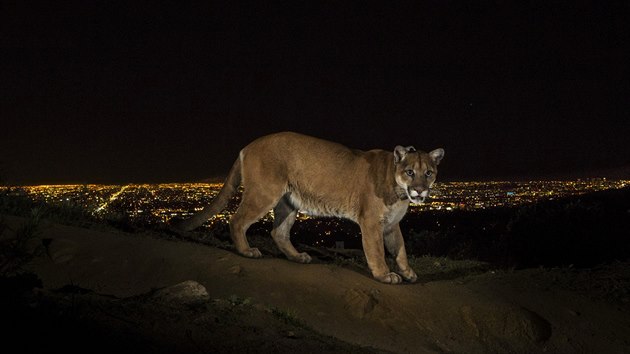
column 18, row 250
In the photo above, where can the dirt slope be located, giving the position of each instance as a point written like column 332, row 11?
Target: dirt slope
column 510, row 312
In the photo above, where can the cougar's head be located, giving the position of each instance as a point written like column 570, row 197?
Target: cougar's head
column 416, row 171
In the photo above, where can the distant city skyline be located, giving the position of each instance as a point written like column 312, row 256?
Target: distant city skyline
column 183, row 199
column 621, row 173
column 156, row 204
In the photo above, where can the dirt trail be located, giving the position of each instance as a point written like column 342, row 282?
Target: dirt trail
column 504, row 312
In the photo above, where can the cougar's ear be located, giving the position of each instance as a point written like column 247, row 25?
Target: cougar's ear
column 437, row 155
column 400, row 152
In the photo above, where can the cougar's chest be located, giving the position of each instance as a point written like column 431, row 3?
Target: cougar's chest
column 395, row 213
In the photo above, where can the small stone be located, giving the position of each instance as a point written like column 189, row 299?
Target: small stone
column 360, row 303
column 574, row 313
column 189, row 292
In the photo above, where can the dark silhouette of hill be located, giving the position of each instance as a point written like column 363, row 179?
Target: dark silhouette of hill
column 582, row 231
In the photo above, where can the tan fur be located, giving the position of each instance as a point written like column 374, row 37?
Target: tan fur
column 290, row 172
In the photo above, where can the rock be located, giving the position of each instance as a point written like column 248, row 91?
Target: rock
column 505, row 324
column 361, row 303
column 466, row 312
column 536, row 328
column 185, row 293
column 574, row 313
column 236, row 269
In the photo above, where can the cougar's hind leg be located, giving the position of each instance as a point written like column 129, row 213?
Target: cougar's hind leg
column 283, row 218
column 254, row 205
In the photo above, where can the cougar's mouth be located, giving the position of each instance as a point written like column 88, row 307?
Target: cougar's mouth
column 417, row 197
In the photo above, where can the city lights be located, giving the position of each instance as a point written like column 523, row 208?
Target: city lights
column 158, row 203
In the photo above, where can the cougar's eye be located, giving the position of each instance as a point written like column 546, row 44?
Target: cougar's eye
column 410, row 173
column 428, row 173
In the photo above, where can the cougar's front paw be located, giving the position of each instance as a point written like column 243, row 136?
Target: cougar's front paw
column 389, row 278
column 409, row 275
column 301, row 258
column 252, row 253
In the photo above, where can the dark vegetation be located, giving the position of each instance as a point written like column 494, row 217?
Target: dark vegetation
column 18, row 250
column 580, row 231
column 77, row 320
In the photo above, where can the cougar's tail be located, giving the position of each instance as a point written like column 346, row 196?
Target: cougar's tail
column 217, row 204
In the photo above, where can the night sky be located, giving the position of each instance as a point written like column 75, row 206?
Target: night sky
column 108, row 92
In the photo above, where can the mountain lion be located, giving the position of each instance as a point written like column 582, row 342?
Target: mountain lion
column 290, row 172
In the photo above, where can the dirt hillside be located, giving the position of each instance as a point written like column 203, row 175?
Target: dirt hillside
column 524, row 311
